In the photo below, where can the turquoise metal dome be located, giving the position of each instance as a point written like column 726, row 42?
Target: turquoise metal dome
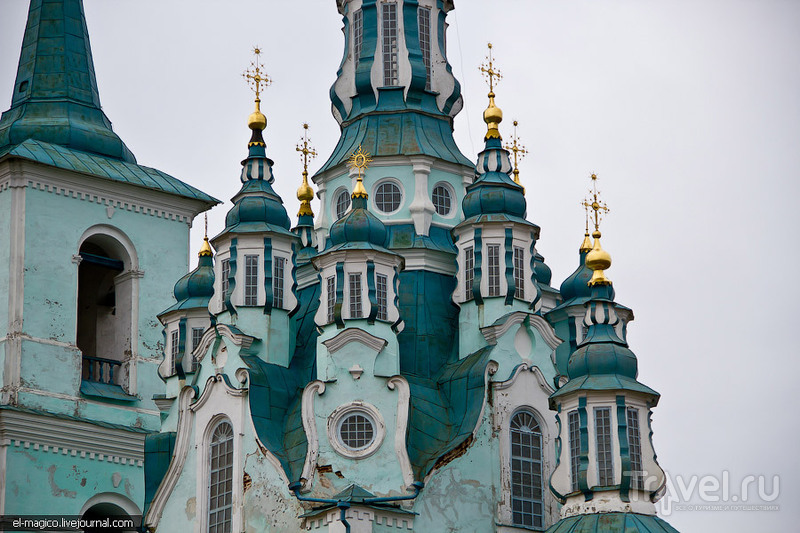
column 577, row 284
column 494, row 192
column 611, row 522
column 359, row 225
column 257, row 208
column 195, row 289
column 541, row 271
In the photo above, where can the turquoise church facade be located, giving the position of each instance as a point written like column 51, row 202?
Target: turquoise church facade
column 398, row 361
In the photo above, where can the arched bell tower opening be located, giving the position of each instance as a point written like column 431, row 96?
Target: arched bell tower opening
column 105, row 310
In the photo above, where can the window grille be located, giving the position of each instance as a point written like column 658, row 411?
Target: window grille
column 220, row 483
column 469, row 272
column 277, row 282
column 602, row 428
column 358, row 37
column 226, row 271
column 493, row 267
column 390, row 44
column 382, row 291
column 174, row 344
column 355, row 296
column 251, row 280
column 331, row 289
column 527, row 494
column 635, row 448
column 197, row 334
column 424, row 16
column 519, row 273
column 342, row 204
column 388, row 197
column 574, row 447
column 442, row 201
column 357, row 431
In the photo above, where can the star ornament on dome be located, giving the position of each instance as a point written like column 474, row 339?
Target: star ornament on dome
column 307, row 152
column 360, row 160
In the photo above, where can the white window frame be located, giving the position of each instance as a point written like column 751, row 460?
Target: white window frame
column 330, row 286
column 196, row 338
column 225, row 271
column 635, row 447
column 493, row 269
column 174, row 345
column 574, row 432
column 451, row 197
column 382, row 296
column 519, row 518
column 367, row 410
column 604, row 445
column 424, row 21
column 278, row 282
column 469, row 272
column 390, row 43
column 519, row 272
column 355, row 298
column 341, row 193
column 358, row 36
column 231, row 466
column 380, row 184
column 251, row 279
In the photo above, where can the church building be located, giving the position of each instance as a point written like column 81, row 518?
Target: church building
column 399, row 361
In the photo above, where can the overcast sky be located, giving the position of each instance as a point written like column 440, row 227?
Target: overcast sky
column 688, row 111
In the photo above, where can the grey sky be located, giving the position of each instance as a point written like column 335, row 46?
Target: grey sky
column 688, row 111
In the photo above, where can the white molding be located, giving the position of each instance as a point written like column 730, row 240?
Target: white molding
column 107, row 192
column 526, row 366
column 493, row 333
column 207, row 391
column 175, row 468
column 400, row 384
column 71, row 437
column 16, row 279
column 60, row 396
column 114, row 499
column 315, row 388
column 349, row 335
column 431, row 260
column 421, row 207
column 347, row 409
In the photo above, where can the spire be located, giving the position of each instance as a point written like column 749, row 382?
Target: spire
column 205, row 250
column 493, row 115
column 55, row 97
column 519, row 151
column 258, row 81
column 586, row 245
column 305, row 193
column 597, row 259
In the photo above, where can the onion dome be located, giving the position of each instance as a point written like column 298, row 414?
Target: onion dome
column 359, row 225
column 598, row 260
column 494, row 191
column 577, row 284
column 541, row 271
column 602, row 360
column 257, row 207
column 305, row 216
column 195, row 289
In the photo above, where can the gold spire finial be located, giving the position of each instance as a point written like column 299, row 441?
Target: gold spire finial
column 205, row 250
column 360, row 160
column 597, row 259
column 258, row 80
column 493, row 115
column 305, row 193
column 519, row 152
column 586, row 245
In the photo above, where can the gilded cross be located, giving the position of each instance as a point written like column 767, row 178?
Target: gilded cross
column 306, row 151
column 489, row 72
column 256, row 78
column 518, row 150
column 599, row 208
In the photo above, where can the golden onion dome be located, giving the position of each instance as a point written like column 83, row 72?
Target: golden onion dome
column 586, row 245
column 305, row 193
column 598, row 260
column 205, row 250
column 257, row 120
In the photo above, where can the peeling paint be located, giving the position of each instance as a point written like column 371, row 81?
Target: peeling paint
column 56, row 490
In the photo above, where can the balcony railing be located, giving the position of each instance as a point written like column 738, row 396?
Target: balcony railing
column 100, row 370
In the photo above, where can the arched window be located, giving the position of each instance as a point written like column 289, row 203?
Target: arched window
column 527, row 494
column 220, row 480
column 342, row 204
column 388, row 197
column 442, row 200
column 104, row 314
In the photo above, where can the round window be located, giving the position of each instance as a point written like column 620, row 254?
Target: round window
column 342, row 204
column 442, row 200
column 356, row 431
column 388, row 197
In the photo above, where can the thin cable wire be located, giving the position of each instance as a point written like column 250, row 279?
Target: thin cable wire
column 463, row 81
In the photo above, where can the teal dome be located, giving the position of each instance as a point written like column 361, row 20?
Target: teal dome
column 606, row 358
column 541, row 271
column 608, row 522
column 577, row 284
column 195, row 289
column 255, row 208
column 359, row 225
column 494, row 192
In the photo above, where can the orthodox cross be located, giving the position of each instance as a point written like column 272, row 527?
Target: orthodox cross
column 489, row 72
column 256, row 78
column 307, row 152
column 599, row 208
column 518, row 150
